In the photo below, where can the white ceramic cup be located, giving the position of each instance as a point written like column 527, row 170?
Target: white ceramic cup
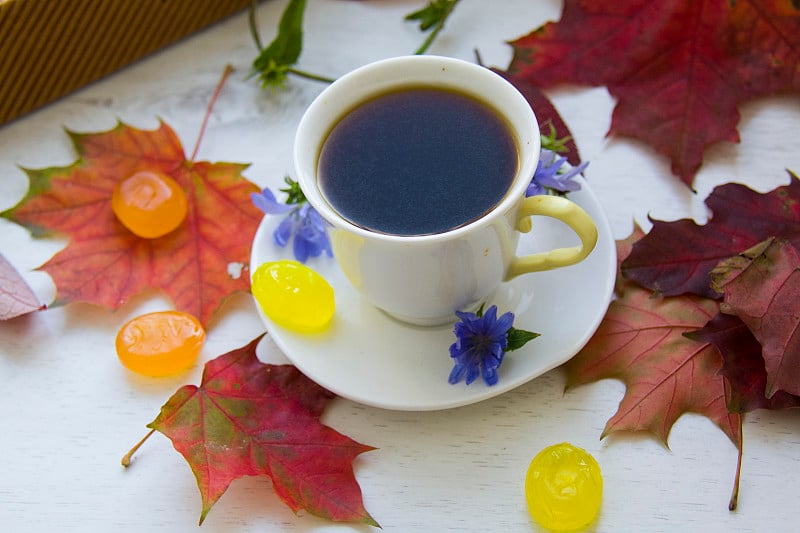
column 424, row 279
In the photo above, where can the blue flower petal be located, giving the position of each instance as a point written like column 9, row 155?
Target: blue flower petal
column 473, row 371
column 267, row 203
column 489, row 376
column 457, row 373
column 547, row 175
column 502, row 325
column 283, row 232
column 480, row 345
column 535, row 188
column 302, row 248
column 303, row 222
column 316, row 220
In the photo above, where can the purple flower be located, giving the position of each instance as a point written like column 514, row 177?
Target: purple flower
column 267, row 203
column 481, row 341
column 302, row 221
column 548, row 175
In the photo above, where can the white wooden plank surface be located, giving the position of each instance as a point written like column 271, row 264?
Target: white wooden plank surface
column 69, row 410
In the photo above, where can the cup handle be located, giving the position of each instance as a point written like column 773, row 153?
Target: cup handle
column 566, row 211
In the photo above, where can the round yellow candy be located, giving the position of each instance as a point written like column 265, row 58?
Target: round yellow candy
column 564, row 487
column 294, row 296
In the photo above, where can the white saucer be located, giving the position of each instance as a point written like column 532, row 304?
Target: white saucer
column 373, row 359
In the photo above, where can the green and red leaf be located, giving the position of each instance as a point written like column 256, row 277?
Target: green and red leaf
column 248, row 418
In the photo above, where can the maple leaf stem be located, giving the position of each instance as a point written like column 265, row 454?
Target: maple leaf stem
column 734, row 502
column 223, row 78
column 128, row 457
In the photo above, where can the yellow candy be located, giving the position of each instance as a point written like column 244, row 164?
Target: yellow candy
column 563, row 487
column 294, row 296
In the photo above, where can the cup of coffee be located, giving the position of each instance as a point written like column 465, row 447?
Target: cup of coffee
column 420, row 165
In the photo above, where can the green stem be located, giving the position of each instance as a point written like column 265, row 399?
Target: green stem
column 309, row 75
column 251, row 18
column 433, row 34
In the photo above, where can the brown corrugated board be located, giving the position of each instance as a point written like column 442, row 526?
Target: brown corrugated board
column 49, row 48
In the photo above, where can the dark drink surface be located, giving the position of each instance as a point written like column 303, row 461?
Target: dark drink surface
column 417, row 161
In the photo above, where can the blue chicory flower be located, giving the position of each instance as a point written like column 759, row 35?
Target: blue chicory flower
column 266, row 202
column 480, row 345
column 302, row 221
column 548, row 175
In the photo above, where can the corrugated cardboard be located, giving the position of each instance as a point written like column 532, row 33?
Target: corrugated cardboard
column 49, row 48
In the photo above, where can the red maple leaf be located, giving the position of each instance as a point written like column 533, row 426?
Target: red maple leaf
column 641, row 342
column 547, row 115
column 762, row 288
column 16, row 296
column 678, row 257
column 248, row 418
column 743, row 365
column 106, row 264
column 678, row 68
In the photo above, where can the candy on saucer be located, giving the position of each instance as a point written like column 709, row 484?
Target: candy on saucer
column 294, row 296
column 564, row 487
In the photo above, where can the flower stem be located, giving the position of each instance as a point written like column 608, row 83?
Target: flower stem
column 436, row 29
column 310, row 76
column 251, row 19
column 128, row 457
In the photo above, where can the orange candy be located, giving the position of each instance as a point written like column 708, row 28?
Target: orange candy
column 160, row 344
column 150, row 204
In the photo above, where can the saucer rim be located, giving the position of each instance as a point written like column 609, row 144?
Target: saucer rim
column 286, row 340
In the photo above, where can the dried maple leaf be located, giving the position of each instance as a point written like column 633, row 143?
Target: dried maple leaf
column 677, row 257
column 641, row 343
column 16, row 296
column 104, row 263
column 677, row 68
column 248, row 418
column 763, row 290
column 624, row 248
column 546, row 115
column 743, row 365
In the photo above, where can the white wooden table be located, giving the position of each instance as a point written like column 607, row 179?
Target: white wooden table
column 69, row 410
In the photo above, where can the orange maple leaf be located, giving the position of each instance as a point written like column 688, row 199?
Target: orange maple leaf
column 198, row 265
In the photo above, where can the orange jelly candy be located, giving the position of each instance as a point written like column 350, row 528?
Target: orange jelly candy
column 150, row 204
column 160, row 344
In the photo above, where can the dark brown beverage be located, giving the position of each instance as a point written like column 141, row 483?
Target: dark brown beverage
column 417, row 161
